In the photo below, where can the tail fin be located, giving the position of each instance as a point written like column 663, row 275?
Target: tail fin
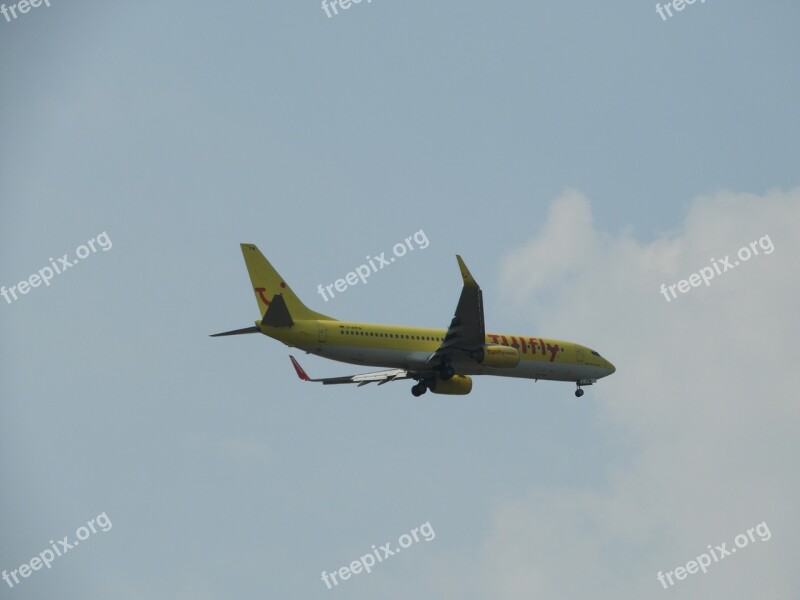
column 267, row 282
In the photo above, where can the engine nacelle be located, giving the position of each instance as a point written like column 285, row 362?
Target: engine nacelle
column 456, row 385
column 502, row 357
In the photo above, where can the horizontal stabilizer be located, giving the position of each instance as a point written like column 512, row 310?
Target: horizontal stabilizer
column 252, row 329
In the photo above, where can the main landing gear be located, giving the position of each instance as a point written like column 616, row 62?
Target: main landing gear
column 419, row 388
column 579, row 391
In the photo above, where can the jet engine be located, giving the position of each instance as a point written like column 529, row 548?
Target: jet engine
column 456, row 385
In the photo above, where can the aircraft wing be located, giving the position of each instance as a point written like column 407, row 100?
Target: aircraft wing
column 380, row 377
column 467, row 332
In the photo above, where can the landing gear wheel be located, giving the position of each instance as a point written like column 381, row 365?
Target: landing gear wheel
column 419, row 389
column 579, row 392
column 448, row 372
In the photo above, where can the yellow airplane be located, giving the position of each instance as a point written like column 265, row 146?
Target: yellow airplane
column 439, row 360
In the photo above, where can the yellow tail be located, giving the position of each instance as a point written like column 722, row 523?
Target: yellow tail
column 267, row 283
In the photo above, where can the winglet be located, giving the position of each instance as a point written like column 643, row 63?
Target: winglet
column 300, row 372
column 469, row 281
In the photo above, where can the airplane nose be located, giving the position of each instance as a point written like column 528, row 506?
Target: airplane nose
column 612, row 369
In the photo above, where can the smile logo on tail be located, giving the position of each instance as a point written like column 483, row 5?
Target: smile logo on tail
column 261, row 294
column 262, row 290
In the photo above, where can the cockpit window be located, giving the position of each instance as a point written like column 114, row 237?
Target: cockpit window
column 596, row 353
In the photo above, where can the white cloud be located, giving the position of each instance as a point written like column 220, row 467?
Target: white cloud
column 704, row 385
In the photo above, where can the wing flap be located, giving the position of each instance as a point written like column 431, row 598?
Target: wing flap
column 380, row 377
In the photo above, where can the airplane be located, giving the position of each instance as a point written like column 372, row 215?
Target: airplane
column 440, row 360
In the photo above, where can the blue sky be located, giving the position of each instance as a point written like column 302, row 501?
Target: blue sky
column 577, row 155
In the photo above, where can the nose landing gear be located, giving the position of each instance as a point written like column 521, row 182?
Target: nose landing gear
column 580, row 382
